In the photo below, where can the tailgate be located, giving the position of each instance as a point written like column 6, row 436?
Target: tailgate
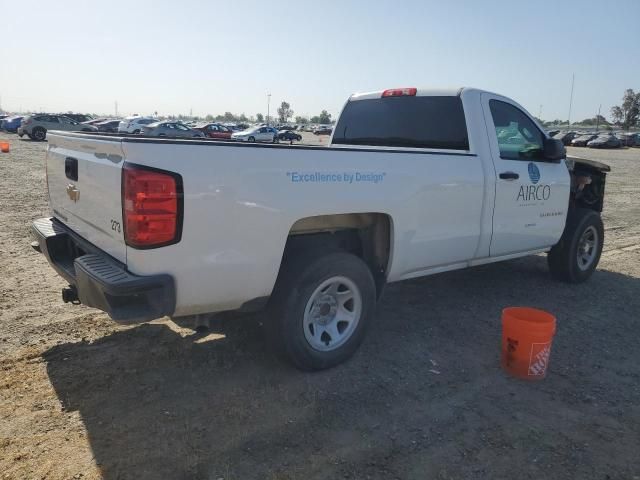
column 85, row 193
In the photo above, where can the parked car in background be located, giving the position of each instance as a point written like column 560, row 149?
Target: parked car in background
column 11, row 124
column 134, row 124
column 565, row 137
column 78, row 117
column 110, row 126
column 215, row 130
column 629, row 139
column 323, row 130
column 94, row 121
column 289, row 136
column 36, row 126
column 605, row 141
column 171, row 129
column 582, row 140
column 256, row 134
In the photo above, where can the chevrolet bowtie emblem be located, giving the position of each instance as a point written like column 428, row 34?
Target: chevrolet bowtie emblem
column 73, row 192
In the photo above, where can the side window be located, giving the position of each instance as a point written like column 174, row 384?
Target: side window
column 52, row 119
column 518, row 137
column 181, row 127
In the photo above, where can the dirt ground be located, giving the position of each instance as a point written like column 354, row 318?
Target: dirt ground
column 424, row 398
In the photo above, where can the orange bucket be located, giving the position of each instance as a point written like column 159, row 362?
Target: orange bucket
column 4, row 147
column 527, row 334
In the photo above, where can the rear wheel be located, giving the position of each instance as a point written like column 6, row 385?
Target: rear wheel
column 251, row 139
column 136, row 131
column 321, row 308
column 38, row 133
column 575, row 257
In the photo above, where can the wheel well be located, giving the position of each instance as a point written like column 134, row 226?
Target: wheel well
column 367, row 235
column 587, row 188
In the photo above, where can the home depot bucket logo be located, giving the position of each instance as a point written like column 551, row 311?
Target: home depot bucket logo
column 539, row 358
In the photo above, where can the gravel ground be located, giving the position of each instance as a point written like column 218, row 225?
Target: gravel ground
column 425, row 397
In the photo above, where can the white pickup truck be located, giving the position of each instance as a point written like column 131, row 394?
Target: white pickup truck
column 414, row 182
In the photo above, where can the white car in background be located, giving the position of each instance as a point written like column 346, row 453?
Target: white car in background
column 135, row 124
column 257, row 134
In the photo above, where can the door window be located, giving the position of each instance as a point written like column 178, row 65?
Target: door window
column 518, row 137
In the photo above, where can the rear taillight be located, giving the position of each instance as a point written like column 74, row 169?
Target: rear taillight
column 151, row 206
column 400, row 92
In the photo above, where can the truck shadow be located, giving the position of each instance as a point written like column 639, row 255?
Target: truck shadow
column 425, row 384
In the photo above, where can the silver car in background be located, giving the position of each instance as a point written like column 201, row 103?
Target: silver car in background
column 257, row 134
column 134, row 124
column 171, row 129
column 37, row 126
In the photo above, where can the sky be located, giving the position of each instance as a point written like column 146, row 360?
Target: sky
column 213, row 56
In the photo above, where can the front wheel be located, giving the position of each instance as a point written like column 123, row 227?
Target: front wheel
column 251, row 139
column 321, row 308
column 575, row 257
column 39, row 133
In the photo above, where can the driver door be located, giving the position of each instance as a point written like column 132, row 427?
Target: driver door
column 532, row 193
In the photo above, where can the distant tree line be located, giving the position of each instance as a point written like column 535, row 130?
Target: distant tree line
column 284, row 114
column 627, row 114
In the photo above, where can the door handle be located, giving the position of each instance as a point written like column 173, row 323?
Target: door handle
column 509, row 176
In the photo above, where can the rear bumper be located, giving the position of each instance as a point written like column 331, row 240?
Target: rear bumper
column 99, row 280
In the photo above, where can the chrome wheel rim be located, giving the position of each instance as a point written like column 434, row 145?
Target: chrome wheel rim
column 587, row 248
column 332, row 313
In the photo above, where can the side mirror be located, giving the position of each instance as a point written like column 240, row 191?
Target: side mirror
column 554, row 150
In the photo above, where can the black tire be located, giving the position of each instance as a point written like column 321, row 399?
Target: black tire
column 298, row 280
column 136, row 131
column 251, row 139
column 38, row 133
column 563, row 258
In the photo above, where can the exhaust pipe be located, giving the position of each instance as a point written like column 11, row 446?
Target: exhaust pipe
column 70, row 295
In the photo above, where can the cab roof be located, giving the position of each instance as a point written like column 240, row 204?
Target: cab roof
column 420, row 92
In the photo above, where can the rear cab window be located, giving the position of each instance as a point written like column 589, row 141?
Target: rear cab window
column 435, row 122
